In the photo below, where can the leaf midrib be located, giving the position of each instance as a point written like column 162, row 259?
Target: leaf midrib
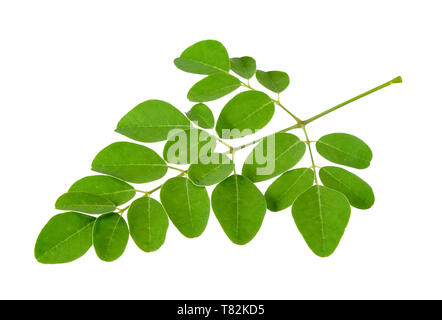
column 342, row 151
column 189, row 206
column 205, row 64
column 294, row 182
column 252, row 113
column 67, row 238
column 111, row 236
column 237, row 207
column 321, row 218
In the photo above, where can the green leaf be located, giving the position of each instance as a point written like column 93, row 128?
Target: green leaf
column 84, row 202
column 239, row 207
column 345, row 149
column 284, row 190
column 110, row 236
column 66, row 237
column 151, row 121
column 244, row 67
column 201, row 115
column 113, row 189
column 212, row 87
column 211, row 169
column 148, row 223
column 321, row 215
column 245, row 114
column 188, row 146
column 358, row 192
column 187, row 205
column 276, row 81
column 130, row 162
column 272, row 156
column 204, row 57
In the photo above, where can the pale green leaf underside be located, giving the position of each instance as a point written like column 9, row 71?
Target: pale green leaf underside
column 66, row 237
column 244, row 66
column 245, row 114
column 110, row 235
column 211, row 169
column 148, row 223
column 213, row 87
column 345, row 149
column 202, row 116
column 187, row 205
column 84, row 202
column 130, row 162
column 321, row 215
column 188, row 146
column 239, row 207
column 284, row 190
column 113, row 189
column 151, row 121
column 273, row 156
column 358, row 192
column 276, row 81
column 204, row 57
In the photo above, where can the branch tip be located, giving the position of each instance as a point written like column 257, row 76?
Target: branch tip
column 397, row 80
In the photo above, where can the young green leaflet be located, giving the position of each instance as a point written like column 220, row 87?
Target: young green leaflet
column 95, row 215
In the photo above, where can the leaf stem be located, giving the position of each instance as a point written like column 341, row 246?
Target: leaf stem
column 298, row 120
column 178, row 169
column 223, row 142
column 301, row 124
column 386, row 84
column 311, row 153
column 147, row 193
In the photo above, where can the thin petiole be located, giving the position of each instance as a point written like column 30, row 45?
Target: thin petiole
column 223, row 142
column 311, row 153
column 298, row 120
column 178, row 169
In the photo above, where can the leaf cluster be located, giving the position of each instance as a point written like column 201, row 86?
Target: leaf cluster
column 93, row 215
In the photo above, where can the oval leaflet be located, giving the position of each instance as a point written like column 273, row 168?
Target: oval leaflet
column 188, row 146
column 148, row 223
column 110, row 235
column 204, row 57
column 276, row 81
column 239, row 207
column 284, row 190
column 151, row 121
column 201, row 115
column 212, row 87
column 84, row 202
column 66, row 237
column 345, row 149
column 357, row 191
column 108, row 187
column 274, row 155
column 217, row 168
column 187, row 205
column 244, row 67
column 130, row 162
column 321, row 215
column 244, row 114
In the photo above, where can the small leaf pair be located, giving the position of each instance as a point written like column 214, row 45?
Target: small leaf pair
column 68, row 236
column 95, row 195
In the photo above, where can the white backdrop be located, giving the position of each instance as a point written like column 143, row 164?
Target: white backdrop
column 70, row 70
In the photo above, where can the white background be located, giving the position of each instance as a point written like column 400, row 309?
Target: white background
column 69, row 70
